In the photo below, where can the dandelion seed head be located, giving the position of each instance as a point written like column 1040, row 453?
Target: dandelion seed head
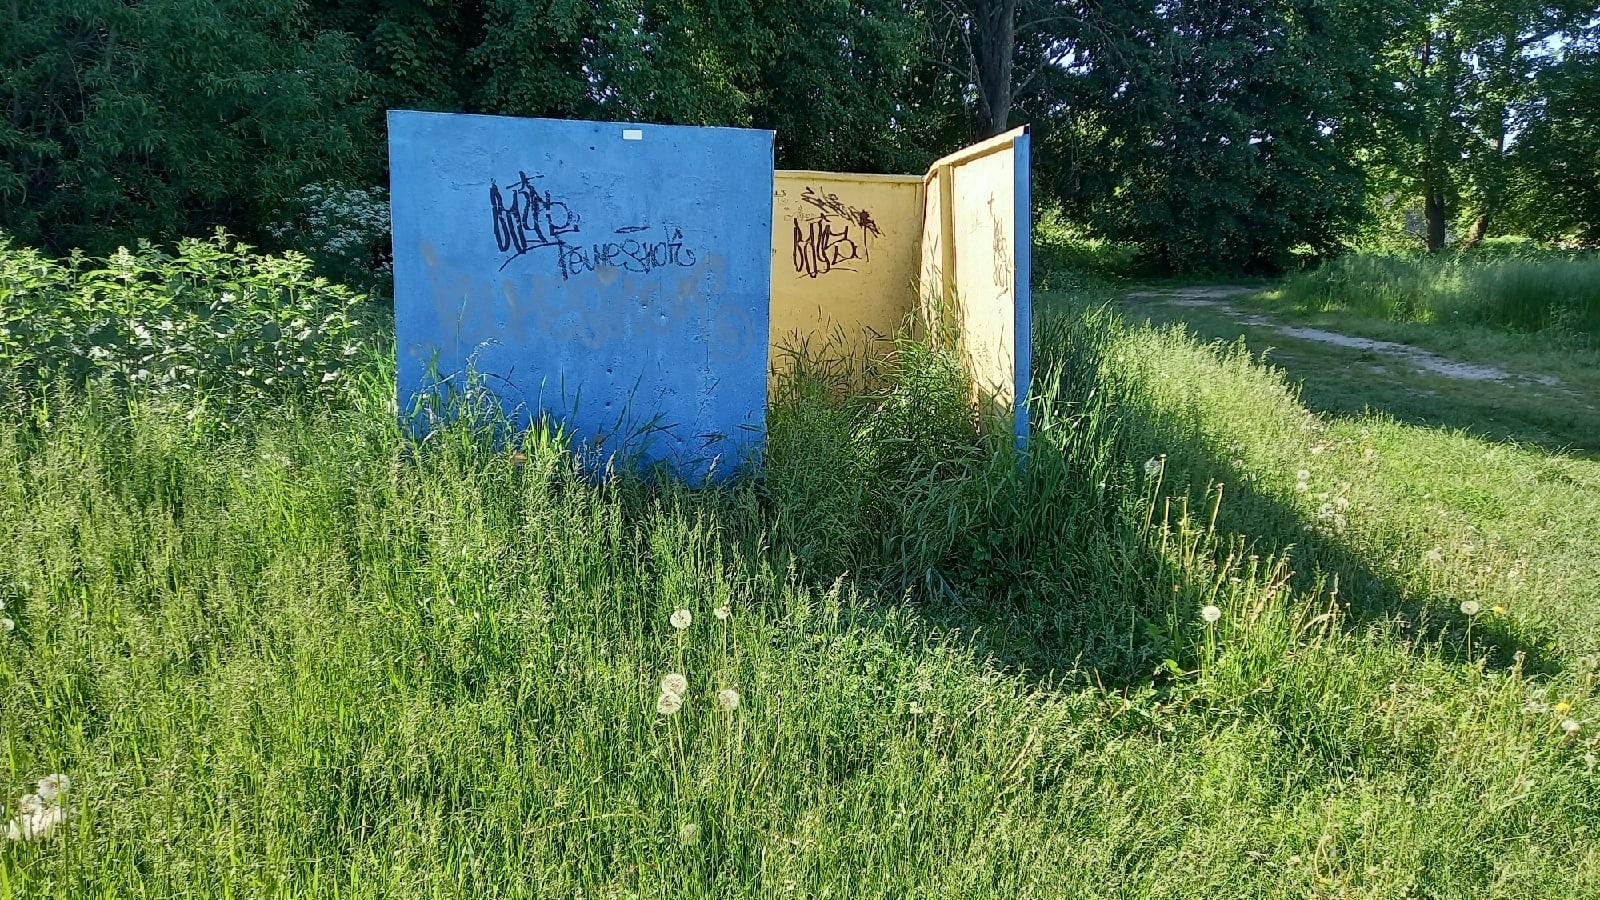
column 53, row 786
column 1469, row 607
column 917, row 709
column 722, row 613
column 1152, row 466
column 6, row 624
column 681, row 619
column 1570, row 726
column 1303, row 475
column 1433, row 555
column 728, row 699
column 674, row 683
column 689, row 834
column 1210, row 614
column 669, row 703
column 30, row 804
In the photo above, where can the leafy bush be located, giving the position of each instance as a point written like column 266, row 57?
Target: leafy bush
column 212, row 319
column 345, row 231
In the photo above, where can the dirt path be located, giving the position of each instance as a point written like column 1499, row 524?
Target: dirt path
column 1216, row 297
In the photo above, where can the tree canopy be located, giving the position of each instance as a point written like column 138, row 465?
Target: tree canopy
column 1211, row 134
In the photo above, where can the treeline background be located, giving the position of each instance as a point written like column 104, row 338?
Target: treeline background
column 1202, row 135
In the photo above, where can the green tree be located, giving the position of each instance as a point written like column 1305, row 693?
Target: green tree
column 1464, row 78
column 167, row 117
column 1555, row 162
column 1214, row 134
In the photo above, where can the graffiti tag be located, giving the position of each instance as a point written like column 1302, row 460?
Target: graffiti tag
column 830, row 234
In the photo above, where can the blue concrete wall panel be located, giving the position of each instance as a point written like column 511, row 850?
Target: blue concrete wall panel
column 614, row 277
column 1023, row 324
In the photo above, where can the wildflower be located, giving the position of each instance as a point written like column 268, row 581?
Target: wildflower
column 673, row 683
column 917, row 709
column 1210, row 614
column 722, row 613
column 689, row 834
column 1152, row 466
column 1469, row 607
column 1563, row 707
column 681, row 619
column 669, row 703
column 1433, row 555
column 1498, row 610
column 1590, row 761
column 1342, row 502
column 728, row 699
column 1303, row 475
column 1570, row 726
column 53, row 786
column 7, row 624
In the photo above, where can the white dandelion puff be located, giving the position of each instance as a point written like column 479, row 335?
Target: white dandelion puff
column 728, row 699
column 39, row 825
column 1570, row 726
column 722, row 613
column 669, row 703
column 1433, row 555
column 689, row 834
column 30, row 804
column 1470, row 607
column 53, row 786
column 1152, row 466
column 7, row 624
column 1210, row 614
column 1303, row 475
column 681, row 619
column 674, row 683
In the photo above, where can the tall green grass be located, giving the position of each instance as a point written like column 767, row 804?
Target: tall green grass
column 298, row 657
column 1519, row 291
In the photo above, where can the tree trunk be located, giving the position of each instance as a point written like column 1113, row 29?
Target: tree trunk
column 1478, row 231
column 1433, row 211
column 994, row 35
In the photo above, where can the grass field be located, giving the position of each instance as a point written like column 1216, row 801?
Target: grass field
column 282, row 654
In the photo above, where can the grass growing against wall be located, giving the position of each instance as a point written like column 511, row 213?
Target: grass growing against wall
column 1527, row 291
column 293, row 657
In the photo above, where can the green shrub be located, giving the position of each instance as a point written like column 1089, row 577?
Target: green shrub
column 213, row 319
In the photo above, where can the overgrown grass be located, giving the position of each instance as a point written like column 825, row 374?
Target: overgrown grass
column 297, row 657
column 1524, row 291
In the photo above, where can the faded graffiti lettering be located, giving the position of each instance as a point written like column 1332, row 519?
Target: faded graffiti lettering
column 831, row 234
column 587, row 312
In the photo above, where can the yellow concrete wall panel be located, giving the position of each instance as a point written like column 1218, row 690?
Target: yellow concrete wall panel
column 983, row 213
column 844, row 257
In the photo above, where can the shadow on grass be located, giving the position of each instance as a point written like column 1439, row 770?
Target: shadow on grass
column 1057, row 567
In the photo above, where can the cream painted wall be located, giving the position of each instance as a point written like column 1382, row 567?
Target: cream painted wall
column 844, row 257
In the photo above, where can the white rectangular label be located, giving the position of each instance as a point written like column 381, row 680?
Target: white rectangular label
column 632, row 134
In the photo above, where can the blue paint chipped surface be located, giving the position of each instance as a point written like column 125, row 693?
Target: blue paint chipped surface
column 617, row 283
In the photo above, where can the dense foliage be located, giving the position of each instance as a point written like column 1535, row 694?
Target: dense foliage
column 1211, row 133
column 212, row 321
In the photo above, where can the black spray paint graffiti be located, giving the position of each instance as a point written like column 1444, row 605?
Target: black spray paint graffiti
column 531, row 221
column 534, row 220
column 831, row 234
column 629, row 254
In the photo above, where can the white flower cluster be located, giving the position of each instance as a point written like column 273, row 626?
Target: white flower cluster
column 40, row 814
